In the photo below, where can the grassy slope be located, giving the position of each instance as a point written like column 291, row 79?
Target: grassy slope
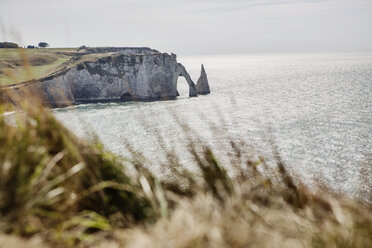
column 19, row 65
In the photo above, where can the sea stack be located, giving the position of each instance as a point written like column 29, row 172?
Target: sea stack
column 202, row 85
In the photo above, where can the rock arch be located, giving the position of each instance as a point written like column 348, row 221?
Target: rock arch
column 181, row 71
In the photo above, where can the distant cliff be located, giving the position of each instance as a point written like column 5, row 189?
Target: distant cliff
column 111, row 74
column 122, row 50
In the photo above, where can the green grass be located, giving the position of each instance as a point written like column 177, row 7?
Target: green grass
column 21, row 74
column 9, row 54
column 20, row 65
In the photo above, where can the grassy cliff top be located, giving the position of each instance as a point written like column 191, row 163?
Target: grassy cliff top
column 20, row 65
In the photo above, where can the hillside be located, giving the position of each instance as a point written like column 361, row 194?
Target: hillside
column 20, row 65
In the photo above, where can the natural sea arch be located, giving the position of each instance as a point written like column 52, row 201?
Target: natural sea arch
column 181, row 71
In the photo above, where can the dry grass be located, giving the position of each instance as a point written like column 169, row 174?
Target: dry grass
column 244, row 222
column 60, row 191
column 50, row 179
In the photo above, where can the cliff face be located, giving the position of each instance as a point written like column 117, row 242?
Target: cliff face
column 117, row 77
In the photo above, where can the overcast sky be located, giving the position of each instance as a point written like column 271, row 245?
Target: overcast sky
column 193, row 26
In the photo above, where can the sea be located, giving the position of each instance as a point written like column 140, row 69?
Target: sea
column 314, row 110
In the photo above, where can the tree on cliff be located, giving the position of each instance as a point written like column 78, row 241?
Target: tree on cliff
column 8, row 45
column 43, row 44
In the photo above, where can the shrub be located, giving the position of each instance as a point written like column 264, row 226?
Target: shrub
column 8, row 45
column 43, row 44
column 48, row 175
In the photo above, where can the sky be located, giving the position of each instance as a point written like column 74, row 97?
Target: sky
column 191, row 27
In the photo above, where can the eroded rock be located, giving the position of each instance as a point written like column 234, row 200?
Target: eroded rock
column 119, row 76
column 202, row 86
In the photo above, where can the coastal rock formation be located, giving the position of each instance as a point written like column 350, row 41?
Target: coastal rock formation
column 114, row 75
column 181, row 71
column 202, row 86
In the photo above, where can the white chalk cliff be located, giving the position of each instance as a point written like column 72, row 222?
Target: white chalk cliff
column 119, row 76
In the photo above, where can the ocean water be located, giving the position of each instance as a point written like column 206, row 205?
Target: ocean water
column 316, row 108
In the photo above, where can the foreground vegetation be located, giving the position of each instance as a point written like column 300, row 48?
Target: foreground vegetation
column 59, row 191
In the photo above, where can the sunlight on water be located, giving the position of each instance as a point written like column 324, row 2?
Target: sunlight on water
column 317, row 108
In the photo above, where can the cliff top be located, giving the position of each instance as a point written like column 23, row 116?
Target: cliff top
column 22, row 65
